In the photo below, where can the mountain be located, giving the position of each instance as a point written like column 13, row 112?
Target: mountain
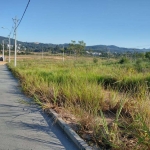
column 96, row 48
column 114, row 49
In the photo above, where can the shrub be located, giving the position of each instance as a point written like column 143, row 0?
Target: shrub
column 123, row 60
column 95, row 60
column 138, row 65
column 147, row 55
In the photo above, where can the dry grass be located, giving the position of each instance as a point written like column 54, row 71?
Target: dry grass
column 105, row 103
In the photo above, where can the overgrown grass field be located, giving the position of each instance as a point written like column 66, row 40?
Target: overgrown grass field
column 110, row 101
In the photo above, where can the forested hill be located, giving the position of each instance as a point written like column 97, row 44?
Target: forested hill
column 113, row 48
column 106, row 48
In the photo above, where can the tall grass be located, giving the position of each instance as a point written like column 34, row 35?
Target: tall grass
column 110, row 100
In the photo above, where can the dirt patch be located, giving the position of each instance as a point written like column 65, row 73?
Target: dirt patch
column 3, row 62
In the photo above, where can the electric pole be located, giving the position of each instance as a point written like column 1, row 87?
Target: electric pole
column 42, row 51
column 9, row 48
column 3, row 51
column 134, row 55
column 63, row 53
column 15, row 33
column 9, row 41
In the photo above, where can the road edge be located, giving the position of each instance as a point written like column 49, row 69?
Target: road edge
column 80, row 143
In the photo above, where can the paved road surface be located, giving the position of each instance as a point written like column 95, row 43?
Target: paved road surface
column 23, row 126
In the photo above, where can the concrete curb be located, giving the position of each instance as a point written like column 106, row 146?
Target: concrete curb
column 81, row 144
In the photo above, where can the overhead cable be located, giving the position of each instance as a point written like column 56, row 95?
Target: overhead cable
column 23, row 14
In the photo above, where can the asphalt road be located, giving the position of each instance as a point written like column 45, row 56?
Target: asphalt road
column 23, row 126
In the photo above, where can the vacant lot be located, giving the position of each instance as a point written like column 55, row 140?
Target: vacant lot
column 107, row 103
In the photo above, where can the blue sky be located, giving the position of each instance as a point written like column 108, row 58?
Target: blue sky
column 123, row 23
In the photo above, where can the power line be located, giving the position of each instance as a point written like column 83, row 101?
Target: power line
column 11, row 31
column 23, row 14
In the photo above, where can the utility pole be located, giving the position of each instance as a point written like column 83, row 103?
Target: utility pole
column 9, row 48
column 108, row 53
column 42, row 52
column 9, row 41
column 134, row 55
column 15, row 33
column 63, row 53
column 3, row 51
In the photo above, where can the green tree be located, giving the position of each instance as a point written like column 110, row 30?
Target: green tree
column 13, row 48
column 77, row 48
column 5, row 47
column 1, row 47
column 147, row 55
column 123, row 60
column 141, row 55
column 81, row 47
column 72, row 47
column 56, row 49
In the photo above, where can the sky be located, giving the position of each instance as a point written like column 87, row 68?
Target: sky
column 124, row 23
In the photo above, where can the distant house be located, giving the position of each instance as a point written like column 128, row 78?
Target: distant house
column 11, row 46
column 94, row 53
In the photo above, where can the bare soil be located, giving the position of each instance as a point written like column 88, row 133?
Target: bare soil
column 3, row 62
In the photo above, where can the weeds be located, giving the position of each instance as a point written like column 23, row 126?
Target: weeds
column 111, row 101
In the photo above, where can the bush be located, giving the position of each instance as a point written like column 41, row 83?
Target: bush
column 138, row 65
column 147, row 55
column 95, row 60
column 123, row 60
